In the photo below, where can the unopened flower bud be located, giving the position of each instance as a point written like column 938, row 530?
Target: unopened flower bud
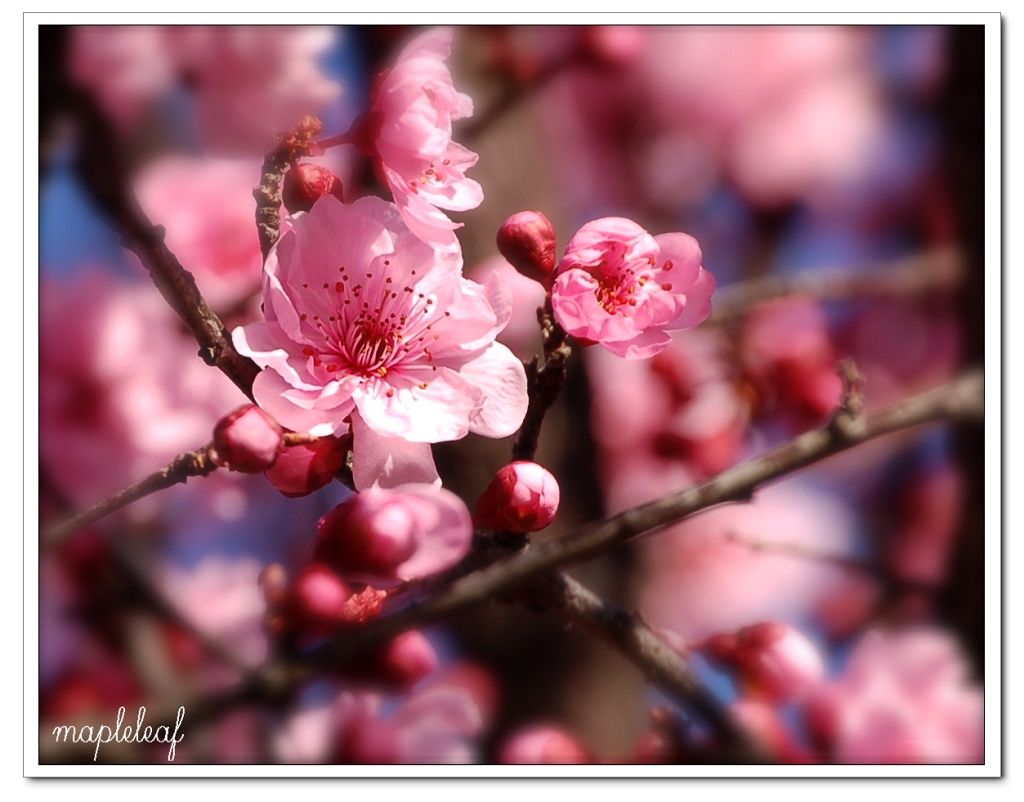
column 397, row 666
column 247, row 440
column 305, row 184
column 527, row 241
column 363, row 536
column 522, row 497
column 301, row 469
column 317, row 600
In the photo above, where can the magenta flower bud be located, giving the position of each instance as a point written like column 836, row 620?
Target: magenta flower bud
column 247, row 440
column 301, row 469
column 522, row 497
column 305, row 184
column 397, row 666
column 317, row 600
column 361, row 536
column 527, row 241
column 777, row 662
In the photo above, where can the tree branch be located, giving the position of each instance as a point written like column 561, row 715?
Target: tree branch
column 913, row 275
column 106, row 177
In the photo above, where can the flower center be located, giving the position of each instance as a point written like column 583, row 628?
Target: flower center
column 621, row 286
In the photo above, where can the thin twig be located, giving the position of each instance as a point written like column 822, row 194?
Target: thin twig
column 907, row 277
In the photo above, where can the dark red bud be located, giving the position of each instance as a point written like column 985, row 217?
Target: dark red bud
column 305, row 184
column 527, row 241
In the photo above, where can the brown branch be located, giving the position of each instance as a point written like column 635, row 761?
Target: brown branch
column 178, row 471
column 962, row 399
column 107, row 178
column 911, row 276
column 627, row 634
column 544, row 381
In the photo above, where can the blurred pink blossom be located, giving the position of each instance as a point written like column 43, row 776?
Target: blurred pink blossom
column 376, row 327
column 410, row 122
column 212, row 234
column 620, row 287
column 119, row 376
column 543, row 744
column 790, row 361
column 701, row 581
column 522, row 334
column 382, row 537
column 904, row 697
column 251, row 83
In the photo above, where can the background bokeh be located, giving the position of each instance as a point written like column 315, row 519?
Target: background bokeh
column 786, row 151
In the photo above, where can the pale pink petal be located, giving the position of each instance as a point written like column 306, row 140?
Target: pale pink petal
column 446, row 526
column 502, row 378
column 389, row 461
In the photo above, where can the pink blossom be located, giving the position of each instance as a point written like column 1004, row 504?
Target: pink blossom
column 522, row 334
column 254, row 83
column 212, row 234
column 365, row 323
column 775, row 661
column 905, row 697
column 702, row 581
column 117, row 375
column 543, row 744
column 251, row 83
column 619, row 286
column 437, row 724
column 522, row 497
column 413, row 107
column 380, row 536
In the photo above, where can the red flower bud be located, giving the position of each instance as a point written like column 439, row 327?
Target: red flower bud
column 246, row 440
column 397, row 666
column 527, row 241
column 522, row 497
column 301, row 469
column 544, row 745
column 316, row 602
column 363, row 536
column 305, row 184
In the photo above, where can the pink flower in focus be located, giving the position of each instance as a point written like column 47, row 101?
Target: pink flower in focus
column 413, row 107
column 364, row 322
column 383, row 536
column 619, row 286
column 905, row 697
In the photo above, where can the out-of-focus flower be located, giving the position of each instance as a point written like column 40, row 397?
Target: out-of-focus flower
column 437, row 724
column 789, row 359
column 775, row 661
column 246, row 440
column 396, row 667
column 381, row 536
column 410, row 135
column 303, row 468
column 374, row 327
column 620, row 287
column 762, row 720
column 522, row 497
column 221, row 598
column 527, row 241
column 316, row 601
column 251, row 83
column 306, row 183
column 522, row 334
column 694, row 420
column 118, row 376
column 543, row 744
column 206, row 207
column 904, row 697
column 703, row 581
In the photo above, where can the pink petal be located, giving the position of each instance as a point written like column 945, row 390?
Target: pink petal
column 502, row 379
column 447, row 527
column 389, row 461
